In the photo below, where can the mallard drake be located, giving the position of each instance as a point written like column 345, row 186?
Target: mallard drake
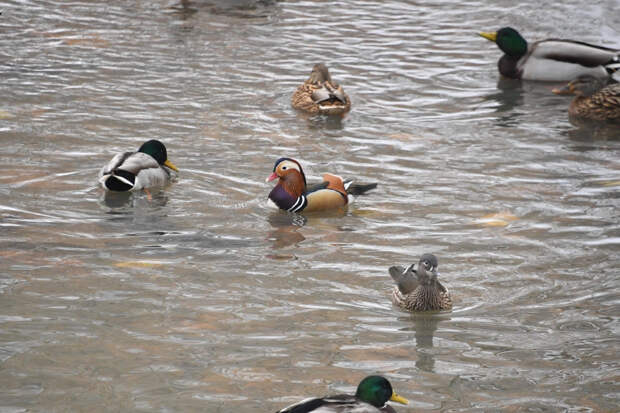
column 133, row 171
column 419, row 290
column 593, row 99
column 320, row 94
column 292, row 194
column 371, row 397
column 551, row 60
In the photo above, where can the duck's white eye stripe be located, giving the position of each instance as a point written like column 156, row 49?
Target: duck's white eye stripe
column 289, row 164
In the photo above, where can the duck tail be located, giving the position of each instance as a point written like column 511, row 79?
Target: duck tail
column 118, row 180
column 613, row 70
column 404, row 278
column 358, row 189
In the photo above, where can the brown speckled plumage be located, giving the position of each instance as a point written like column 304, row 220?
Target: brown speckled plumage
column 593, row 100
column 418, row 289
column 423, row 299
column 320, row 94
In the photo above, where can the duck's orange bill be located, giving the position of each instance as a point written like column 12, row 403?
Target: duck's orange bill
column 272, row 177
column 566, row 90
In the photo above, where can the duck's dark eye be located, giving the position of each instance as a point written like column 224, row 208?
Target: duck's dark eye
column 284, row 168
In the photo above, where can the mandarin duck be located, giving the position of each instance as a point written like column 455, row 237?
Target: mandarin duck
column 292, row 194
column 371, row 396
column 419, row 290
column 593, row 99
column 551, row 60
column 320, row 94
column 133, row 171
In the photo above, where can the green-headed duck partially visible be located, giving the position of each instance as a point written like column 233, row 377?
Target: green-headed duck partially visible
column 551, row 60
column 371, row 396
column 133, row 171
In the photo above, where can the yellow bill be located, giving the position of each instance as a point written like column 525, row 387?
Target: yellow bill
column 398, row 399
column 171, row 165
column 492, row 36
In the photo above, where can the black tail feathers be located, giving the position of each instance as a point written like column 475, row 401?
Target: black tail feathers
column 360, row 189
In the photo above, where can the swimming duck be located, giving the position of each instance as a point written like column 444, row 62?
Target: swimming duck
column 371, row 397
column 419, row 290
column 133, row 171
column 320, row 94
column 593, row 100
column 292, row 194
column 551, row 60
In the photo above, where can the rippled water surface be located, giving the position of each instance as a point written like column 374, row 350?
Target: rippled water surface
column 205, row 299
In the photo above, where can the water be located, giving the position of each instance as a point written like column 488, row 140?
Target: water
column 203, row 298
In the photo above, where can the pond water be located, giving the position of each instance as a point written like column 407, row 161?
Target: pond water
column 205, row 299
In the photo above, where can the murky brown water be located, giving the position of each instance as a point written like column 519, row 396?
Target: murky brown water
column 204, row 299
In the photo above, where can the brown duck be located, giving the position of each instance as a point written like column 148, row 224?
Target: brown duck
column 320, row 94
column 593, row 99
column 419, row 290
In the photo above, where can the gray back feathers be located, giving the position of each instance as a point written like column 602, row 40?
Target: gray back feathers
column 406, row 279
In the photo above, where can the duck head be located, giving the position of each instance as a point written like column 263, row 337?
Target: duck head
column 584, row 85
column 427, row 270
column 508, row 40
column 377, row 390
column 158, row 151
column 319, row 74
column 290, row 176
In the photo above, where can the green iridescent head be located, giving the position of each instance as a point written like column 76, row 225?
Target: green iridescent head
column 158, row 151
column 376, row 390
column 509, row 40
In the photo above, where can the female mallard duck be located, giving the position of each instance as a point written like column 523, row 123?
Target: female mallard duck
column 320, row 94
column 551, row 60
column 132, row 171
column 593, row 100
column 419, row 290
column 292, row 194
column 371, row 397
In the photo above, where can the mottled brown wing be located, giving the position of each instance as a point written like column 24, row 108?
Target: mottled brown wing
column 302, row 99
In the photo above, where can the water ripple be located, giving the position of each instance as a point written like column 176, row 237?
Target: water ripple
column 201, row 297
